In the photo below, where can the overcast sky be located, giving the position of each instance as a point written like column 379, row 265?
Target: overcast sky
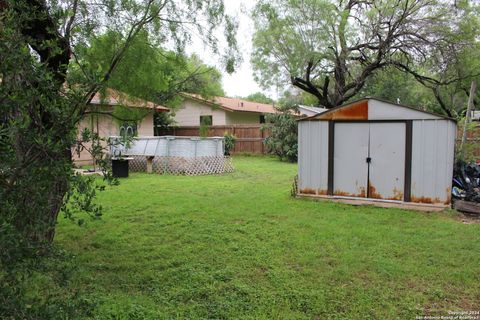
column 241, row 82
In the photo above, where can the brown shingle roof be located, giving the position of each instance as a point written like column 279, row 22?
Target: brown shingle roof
column 234, row 104
column 117, row 98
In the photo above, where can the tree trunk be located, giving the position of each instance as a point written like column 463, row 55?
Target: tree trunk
column 56, row 195
column 38, row 191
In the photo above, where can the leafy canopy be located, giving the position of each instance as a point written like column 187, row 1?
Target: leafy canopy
column 160, row 76
column 330, row 48
column 259, row 97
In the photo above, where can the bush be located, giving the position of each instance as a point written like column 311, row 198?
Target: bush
column 283, row 138
column 229, row 140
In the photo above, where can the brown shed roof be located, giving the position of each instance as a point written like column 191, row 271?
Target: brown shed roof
column 234, row 104
column 117, row 98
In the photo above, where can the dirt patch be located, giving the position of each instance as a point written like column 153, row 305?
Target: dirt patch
column 466, row 218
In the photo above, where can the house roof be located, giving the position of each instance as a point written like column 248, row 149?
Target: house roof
column 313, row 109
column 117, row 98
column 234, row 104
column 364, row 110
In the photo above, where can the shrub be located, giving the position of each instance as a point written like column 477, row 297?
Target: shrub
column 283, row 138
column 229, row 140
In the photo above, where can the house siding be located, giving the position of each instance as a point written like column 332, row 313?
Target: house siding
column 190, row 111
column 107, row 126
column 242, row 118
column 104, row 125
column 145, row 127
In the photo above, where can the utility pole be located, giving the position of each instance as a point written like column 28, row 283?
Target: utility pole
column 473, row 90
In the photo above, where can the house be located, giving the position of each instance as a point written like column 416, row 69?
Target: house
column 377, row 152
column 101, row 121
column 220, row 111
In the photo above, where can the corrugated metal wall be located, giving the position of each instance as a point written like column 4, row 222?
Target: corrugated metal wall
column 432, row 160
column 313, row 157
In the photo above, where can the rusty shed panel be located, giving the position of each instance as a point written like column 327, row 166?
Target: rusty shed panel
column 313, row 157
column 432, row 160
column 354, row 111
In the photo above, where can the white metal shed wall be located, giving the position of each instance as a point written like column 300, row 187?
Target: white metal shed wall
column 433, row 147
column 380, row 110
column 426, row 141
column 313, row 157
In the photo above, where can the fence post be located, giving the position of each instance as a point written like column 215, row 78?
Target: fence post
column 196, row 146
column 262, row 135
column 235, row 135
column 165, row 167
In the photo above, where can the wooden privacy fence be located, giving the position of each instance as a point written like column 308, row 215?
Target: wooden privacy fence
column 249, row 137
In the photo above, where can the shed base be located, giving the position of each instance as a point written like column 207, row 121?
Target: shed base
column 379, row 202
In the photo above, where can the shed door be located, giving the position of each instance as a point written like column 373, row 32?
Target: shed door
column 350, row 169
column 369, row 160
column 387, row 166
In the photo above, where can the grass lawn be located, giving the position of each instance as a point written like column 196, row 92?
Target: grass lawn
column 238, row 246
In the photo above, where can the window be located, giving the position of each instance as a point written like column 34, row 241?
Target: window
column 262, row 118
column 206, row 120
column 129, row 129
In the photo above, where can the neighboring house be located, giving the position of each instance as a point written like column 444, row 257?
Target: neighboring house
column 219, row 111
column 102, row 122
column 307, row 111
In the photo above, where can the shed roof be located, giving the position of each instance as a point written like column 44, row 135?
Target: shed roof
column 234, row 104
column 375, row 109
column 114, row 97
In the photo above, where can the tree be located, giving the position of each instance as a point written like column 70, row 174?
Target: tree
column 283, row 138
column 161, row 75
column 42, row 101
column 396, row 86
column 331, row 48
column 259, row 97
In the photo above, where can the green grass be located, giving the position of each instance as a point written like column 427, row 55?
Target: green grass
column 238, row 246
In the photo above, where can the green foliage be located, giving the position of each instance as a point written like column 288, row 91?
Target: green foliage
column 160, row 76
column 331, row 50
column 296, row 97
column 203, row 129
column 46, row 83
column 259, row 97
column 162, row 121
column 396, row 86
column 42, row 287
column 469, row 152
column 229, row 142
column 283, row 138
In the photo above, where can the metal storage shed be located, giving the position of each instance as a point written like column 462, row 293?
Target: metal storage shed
column 377, row 151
